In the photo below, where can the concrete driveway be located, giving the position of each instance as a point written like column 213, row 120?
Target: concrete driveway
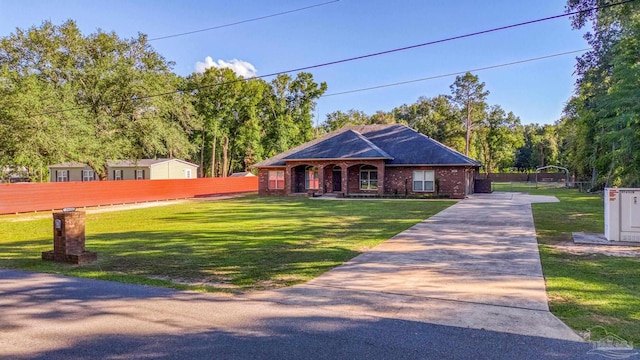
column 475, row 264
column 465, row 283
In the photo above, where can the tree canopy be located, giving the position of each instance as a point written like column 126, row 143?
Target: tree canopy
column 70, row 97
column 65, row 96
column 604, row 114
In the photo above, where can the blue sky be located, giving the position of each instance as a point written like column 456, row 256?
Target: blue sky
column 534, row 91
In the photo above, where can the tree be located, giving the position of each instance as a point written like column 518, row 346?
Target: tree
column 381, row 117
column 339, row 119
column 540, row 147
column 230, row 138
column 468, row 92
column 32, row 142
column 499, row 136
column 288, row 108
column 605, row 112
column 106, row 81
column 435, row 117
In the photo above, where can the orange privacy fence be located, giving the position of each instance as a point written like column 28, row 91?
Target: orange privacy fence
column 27, row 197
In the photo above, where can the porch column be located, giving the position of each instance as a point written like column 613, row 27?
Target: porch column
column 288, row 180
column 344, row 169
column 381, row 179
column 320, row 168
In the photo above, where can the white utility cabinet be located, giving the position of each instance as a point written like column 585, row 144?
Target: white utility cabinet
column 622, row 214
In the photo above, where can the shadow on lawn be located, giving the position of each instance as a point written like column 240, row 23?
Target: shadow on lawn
column 249, row 243
column 245, row 259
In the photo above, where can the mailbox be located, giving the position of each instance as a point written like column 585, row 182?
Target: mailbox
column 69, row 239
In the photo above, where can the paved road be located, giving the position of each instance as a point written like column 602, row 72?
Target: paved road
column 464, row 284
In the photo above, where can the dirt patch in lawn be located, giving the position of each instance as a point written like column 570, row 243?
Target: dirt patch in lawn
column 586, row 249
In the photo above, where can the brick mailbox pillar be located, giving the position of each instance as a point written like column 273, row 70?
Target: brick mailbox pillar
column 68, row 239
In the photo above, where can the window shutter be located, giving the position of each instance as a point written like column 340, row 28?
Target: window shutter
column 68, row 177
column 56, row 180
column 82, row 175
column 143, row 175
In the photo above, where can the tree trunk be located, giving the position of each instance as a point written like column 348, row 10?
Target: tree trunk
column 201, row 169
column 213, row 157
column 225, row 159
column 466, row 148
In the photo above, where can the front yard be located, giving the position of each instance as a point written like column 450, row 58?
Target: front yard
column 232, row 245
column 254, row 243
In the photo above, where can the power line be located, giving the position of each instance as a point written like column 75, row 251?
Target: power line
column 456, row 73
column 244, row 21
column 343, row 60
column 454, row 38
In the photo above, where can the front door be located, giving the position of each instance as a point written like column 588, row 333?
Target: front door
column 337, row 180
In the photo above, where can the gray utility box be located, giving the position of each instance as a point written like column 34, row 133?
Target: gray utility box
column 622, row 214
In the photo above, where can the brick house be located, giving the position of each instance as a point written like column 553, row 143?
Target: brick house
column 369, row 159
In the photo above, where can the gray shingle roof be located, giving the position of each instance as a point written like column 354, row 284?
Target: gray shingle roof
column 71, row 164
column 345, row 145
column 409, row 147
column 397, row 144
column 144, row 162
column 132, row 163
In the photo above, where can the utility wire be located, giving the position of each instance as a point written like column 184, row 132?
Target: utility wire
column 454, row 38
column 342, row 60
column 244, row 21
column 456, row 73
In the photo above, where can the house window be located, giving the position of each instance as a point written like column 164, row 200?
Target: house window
column 368, row 178
column 139, row 174
column 62, row 175
column 423, row 180
column 276, row 179
column 311, row 181
column 117, row 174
column 88, row 175
column 187, row 173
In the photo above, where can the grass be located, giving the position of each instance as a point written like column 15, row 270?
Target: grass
column 231, row 246
column 585, row 291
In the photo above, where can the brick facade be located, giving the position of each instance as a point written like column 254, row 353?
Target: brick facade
column 449, row 180
column 452, row 181
column 263, row 183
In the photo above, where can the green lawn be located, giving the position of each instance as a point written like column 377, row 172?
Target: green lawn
column 229, row 245
column 585, row 291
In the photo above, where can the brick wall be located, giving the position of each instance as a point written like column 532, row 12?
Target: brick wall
column 449, row 180
column 263, row 183
column 395, row 180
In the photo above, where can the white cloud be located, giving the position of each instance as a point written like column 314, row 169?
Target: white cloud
column 240, row 67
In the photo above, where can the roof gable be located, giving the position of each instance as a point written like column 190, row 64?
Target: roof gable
column 409, row 147
column 346, row 145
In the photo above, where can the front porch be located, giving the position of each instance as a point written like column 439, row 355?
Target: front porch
column 339, row 178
